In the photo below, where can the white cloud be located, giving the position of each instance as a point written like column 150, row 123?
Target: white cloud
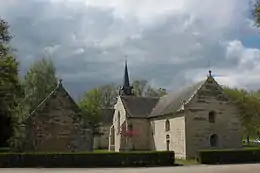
column 243, row 75
column 168, row 42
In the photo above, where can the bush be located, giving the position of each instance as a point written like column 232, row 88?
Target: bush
column 5, row 150
column 246, row 155
column 83, row 160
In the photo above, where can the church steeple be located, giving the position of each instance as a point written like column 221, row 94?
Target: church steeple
column 126, row 82
column 126, row 89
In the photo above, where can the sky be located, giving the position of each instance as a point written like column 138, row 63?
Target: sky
column 170, row 43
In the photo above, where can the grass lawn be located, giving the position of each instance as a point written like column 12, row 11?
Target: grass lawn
column 101, row 151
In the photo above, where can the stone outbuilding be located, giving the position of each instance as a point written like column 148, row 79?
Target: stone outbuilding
column 57, row 125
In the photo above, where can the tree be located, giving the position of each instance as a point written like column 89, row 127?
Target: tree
column 108, row 94
column 152, row 92
column 91, row 105
column 256, row 12
column 5, row 38
column 96, row 99
column 38, row 82
column 142, row 88
column 10, row 87
column 249, row 106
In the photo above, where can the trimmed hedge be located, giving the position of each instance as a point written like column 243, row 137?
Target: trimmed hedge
column 246, row 155
column 84, row 160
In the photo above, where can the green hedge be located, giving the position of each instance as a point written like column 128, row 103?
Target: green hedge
column 246, row 155
column 84, row 160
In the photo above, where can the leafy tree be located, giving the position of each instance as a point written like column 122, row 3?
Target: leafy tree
column 10, row 87
column 249, row 107
column 108, row 94
column 38, row 82
column 142, row 88
column 91, row 105
column 152, row 92
column 256, row 12
column 5, row 38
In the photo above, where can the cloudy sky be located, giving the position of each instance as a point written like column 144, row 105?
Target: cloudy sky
column 170, row 43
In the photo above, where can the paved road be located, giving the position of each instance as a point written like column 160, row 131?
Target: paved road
column 252, row 168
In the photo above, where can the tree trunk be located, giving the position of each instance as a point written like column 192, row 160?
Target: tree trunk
column 248, row 139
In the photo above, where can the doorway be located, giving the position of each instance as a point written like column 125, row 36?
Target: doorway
column 214, row 140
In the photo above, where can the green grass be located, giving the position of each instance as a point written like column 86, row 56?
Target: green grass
column 101, row 151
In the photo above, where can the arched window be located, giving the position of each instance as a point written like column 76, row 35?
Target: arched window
column 167, row 125
column 214, row 140
column 212, row 116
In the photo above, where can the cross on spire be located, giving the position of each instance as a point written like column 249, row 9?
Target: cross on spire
column 60, row 82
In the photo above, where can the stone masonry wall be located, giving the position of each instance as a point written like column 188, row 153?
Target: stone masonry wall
column 57, row 126
column 141, row 141
column 198, row 128
column 176, row 135
column 102, row 142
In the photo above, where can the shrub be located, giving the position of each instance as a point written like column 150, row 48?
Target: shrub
column 246, row 155
column 122, row 159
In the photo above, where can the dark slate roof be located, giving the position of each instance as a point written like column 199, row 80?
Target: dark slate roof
column 138, row 107
column 174, row 100
column 107, row 115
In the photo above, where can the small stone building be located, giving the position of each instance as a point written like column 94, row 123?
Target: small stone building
column 57, row 125
column 102, row 141
column 199, row 116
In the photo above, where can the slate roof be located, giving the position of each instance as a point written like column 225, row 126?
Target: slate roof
column 174, row 100
column 107, row 115
column 139, row 107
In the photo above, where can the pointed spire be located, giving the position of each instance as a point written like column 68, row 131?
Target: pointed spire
column 126, row 82
column 126, row 88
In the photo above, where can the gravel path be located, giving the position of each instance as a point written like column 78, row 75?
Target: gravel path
column 252, row 168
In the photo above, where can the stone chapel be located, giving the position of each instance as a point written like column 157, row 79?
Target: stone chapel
column 196, row 117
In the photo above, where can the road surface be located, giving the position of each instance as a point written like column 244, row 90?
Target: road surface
column 252, row 168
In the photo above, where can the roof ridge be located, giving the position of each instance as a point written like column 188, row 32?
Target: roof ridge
column 46, row 98
column 140, row 97
column 165, row 103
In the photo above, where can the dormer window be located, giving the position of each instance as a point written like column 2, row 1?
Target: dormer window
column 212, row 116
